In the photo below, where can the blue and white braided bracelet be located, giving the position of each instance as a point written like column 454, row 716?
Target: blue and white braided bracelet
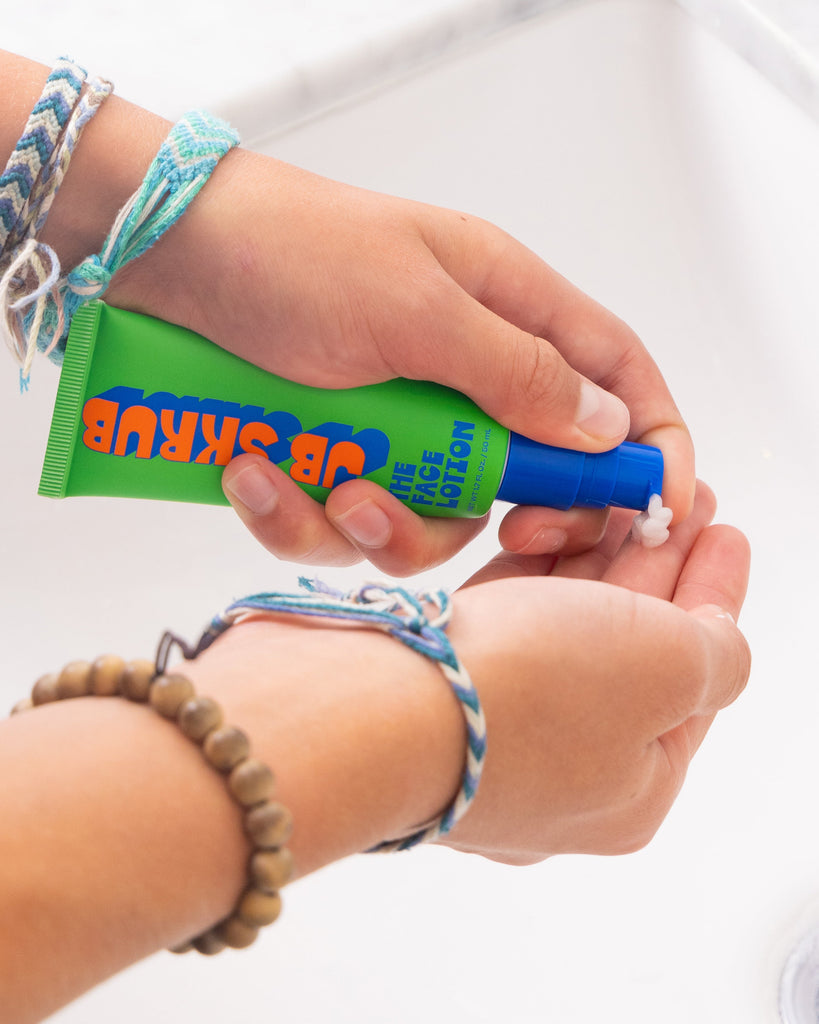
column 36, row 301
column 400, row 614
column 35, row 151
column 30, row 269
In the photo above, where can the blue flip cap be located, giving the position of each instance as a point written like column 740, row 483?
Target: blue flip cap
column 538, row 474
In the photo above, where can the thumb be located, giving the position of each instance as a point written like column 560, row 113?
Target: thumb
column 524, row 383
column 506, row 302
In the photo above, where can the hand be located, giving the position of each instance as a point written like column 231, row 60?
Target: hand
column 599, row 681
column 599, row 684
column 334, row 286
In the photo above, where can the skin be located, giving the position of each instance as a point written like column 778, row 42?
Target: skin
column 588, row 745
column 335, row 286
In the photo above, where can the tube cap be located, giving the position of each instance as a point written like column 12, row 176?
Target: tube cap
column 539, row 474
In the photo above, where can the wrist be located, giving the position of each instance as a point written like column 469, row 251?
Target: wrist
column 107, row 166
column 116, row 816
column 364, row 735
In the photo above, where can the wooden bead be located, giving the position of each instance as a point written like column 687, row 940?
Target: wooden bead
column 236, row 934
column 271, row 869
column 257, row 908
column 136, row 679
column 224, row 748
column 22, row 705
column 169, row 693
column 251, row 782
column 106, row 674
column 44, row 690
column 197, row 717
column 74, row 680
column 269, row 825
column 208, row 943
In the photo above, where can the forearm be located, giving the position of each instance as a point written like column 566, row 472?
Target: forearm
column 363, row 734
column 119, row 840
column 116, row 843
column 107, row 166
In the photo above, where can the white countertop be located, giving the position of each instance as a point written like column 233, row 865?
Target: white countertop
column 262, row 64
column 779, row 37
column 266, row 65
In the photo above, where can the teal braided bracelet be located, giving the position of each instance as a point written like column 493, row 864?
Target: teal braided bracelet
column 398, row 613
column 36, row 301
column 185, row 161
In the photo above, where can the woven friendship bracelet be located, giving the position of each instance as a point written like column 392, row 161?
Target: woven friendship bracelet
column 249, row 782
column 185, row 161
column 40, row 199
column 34, row 150
column 28, row 268
column 37, row 300
column 402, row 615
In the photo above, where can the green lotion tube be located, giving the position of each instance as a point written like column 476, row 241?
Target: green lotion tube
column 146, row 409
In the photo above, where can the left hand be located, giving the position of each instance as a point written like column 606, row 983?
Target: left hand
column 598, row 684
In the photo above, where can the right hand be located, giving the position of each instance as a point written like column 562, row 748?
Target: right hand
column 335, row 286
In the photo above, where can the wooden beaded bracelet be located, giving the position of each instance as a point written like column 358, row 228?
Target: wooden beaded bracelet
column 250, row 783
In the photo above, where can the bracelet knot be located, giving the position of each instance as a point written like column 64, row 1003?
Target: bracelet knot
column 89, row 279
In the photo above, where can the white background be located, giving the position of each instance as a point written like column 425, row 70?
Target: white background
column 648, row 163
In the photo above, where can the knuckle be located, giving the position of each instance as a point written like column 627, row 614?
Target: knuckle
column 413, row 339
column 539, row 370
column 634, row 838
column 646, row 792
column 408, row 557
column 535, row 376
column 305, row 542
column 317, row 544
column 640, row 819
column 418, row 545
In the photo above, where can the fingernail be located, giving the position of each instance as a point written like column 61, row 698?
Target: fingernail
column 547, row 541
column 366, row 524
column 600, row 414
column 254, row 489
